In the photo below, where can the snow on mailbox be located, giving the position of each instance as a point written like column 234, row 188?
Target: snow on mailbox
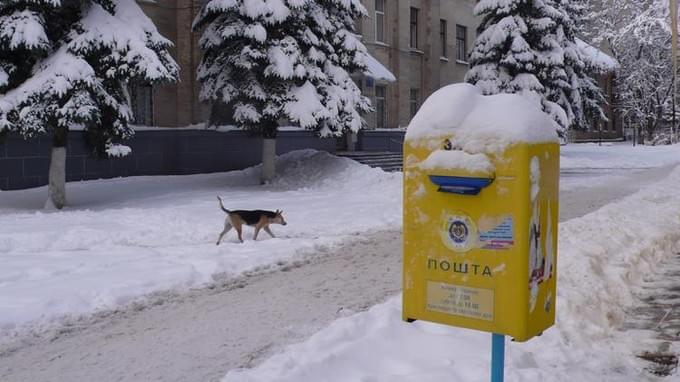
column 481, row 180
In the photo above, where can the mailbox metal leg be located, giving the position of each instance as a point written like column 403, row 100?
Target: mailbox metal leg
column 497, row 357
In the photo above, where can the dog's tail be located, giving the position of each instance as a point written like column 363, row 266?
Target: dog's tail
column 222, row 205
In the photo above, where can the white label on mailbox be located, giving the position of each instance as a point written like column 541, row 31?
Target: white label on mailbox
column 460, row 300
column 499, row 236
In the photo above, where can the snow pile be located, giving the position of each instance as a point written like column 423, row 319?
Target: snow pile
column 123, row 238
column 447, row 159
column 598, row 269
column 314, row 170
column 480, row 123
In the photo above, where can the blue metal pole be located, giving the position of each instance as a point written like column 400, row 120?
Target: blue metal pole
column 497, row 357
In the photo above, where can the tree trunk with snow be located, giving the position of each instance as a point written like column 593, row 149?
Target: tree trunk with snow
column 56, row 190
column 268, row 160
column 650, row 128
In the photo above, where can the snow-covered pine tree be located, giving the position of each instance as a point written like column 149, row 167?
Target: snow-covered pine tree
column 529, row 46
column 589, row 97
column 583, row 94
column 557, row 58
column 283, row 60
column 66, row 65
column 514, row 47
column 502, row 59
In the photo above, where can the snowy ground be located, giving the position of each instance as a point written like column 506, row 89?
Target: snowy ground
column 590, row 165
column 603, row 256
column 124, row 238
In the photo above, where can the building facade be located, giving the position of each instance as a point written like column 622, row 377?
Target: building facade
column 610, row 128
column 419, row 46
column 423, row 43
column 173, row 105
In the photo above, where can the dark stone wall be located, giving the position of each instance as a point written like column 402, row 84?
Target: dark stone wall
column 25, row 163
column 381, row 140
column 594, row 136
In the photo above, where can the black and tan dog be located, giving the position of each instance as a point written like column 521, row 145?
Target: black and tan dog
column 260, row 219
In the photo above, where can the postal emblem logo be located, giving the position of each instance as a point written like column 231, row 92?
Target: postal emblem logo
column 458, row 233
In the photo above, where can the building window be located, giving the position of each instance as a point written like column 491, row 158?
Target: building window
column 442, row 37
column 380, row 20
column 380, row 107
column 414, row 28
column 461, row 43
column 141, row 101
column 413, row 101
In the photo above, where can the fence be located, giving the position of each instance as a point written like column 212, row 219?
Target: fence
column 25, row 163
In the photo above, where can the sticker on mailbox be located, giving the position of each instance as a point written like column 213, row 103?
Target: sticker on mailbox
column 459, row 233
column 499, row 236
column 460, row 300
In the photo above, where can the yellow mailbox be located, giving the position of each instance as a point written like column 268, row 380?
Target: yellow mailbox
column 481, row 210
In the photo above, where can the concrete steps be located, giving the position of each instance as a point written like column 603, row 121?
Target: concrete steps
column 388, row 161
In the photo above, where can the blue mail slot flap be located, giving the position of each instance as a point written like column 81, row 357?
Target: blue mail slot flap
column 460, row 184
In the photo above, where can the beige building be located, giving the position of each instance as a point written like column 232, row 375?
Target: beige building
column 424, row 43
column 178, row 104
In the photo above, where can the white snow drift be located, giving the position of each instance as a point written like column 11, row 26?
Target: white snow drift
column 602, row 256
column 124, row 238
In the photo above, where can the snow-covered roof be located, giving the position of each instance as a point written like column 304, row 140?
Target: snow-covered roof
column 378, row 71
column 596, row 58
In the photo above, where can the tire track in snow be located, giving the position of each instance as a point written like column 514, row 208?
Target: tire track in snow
column 202, row 334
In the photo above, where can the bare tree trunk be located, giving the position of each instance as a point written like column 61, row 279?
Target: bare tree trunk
column 268, row 160
column 56, row 190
